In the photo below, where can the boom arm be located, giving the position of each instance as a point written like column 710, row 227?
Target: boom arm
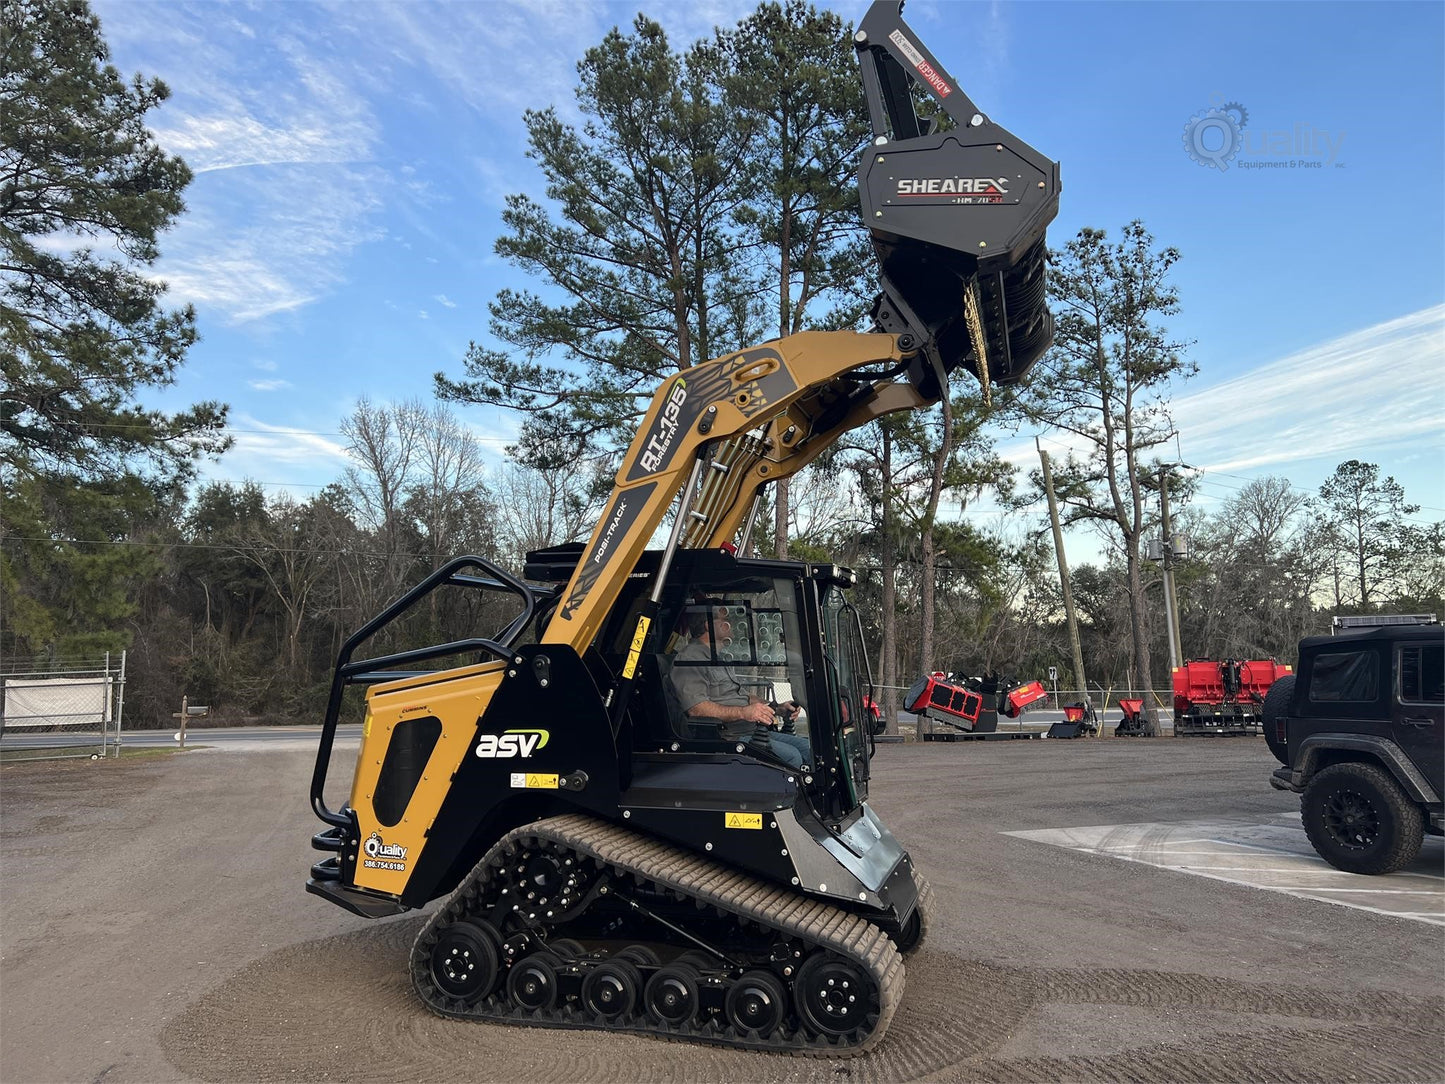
column 719, row 432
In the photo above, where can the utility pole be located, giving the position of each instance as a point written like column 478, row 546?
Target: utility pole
column 1064, row 575
column 1171, row 600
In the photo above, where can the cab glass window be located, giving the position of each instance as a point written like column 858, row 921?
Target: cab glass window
column 1345, row 676
column 1422, row 674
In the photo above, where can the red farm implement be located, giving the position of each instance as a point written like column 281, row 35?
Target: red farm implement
column 1212, row 697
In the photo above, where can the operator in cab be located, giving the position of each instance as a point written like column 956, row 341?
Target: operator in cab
column 709, row 691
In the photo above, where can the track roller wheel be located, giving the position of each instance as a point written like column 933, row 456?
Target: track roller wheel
column 567, row 950
column 832, row 995
column 641, row 955
column 464, row 961
column 611, row 990
column 672, row 994
column 756, row 1003
column 532, row 982
column 703, row 961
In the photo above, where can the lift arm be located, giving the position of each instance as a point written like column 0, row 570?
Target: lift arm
column 709, row 432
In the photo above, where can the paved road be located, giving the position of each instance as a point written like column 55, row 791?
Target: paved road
column 249, row 738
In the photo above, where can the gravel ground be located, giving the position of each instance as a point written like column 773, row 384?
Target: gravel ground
column 153, row 927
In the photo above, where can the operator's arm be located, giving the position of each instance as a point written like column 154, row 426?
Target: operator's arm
column 754, row 712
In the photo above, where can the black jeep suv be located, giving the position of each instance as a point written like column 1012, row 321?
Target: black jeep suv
column 1360, row 729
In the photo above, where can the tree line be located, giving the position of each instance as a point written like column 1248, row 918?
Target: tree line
column 705, row 203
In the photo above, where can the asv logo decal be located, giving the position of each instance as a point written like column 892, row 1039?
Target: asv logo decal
column 512, row 743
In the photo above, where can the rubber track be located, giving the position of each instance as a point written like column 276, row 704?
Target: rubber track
column 925, row 910
column 690, row 876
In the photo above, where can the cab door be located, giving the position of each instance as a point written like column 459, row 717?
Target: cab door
column 1418, row 709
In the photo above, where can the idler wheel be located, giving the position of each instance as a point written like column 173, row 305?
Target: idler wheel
column 832, row 995
column 672, row 994
column 532, row 982
column 756, row 1003
column 611, row 989
column 464, row 961
column 567, row 950
column 641, row 955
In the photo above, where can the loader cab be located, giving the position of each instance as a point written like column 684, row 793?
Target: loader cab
column 733, row 631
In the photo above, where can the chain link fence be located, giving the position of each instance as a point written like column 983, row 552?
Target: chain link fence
column 62, row 708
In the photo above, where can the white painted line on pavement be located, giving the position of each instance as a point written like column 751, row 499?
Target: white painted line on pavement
column 1292, row 866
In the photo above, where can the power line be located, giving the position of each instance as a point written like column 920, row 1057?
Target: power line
column 282, row 431
column 229, row 548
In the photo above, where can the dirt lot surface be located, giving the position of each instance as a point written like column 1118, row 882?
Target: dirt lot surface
column 153, row 927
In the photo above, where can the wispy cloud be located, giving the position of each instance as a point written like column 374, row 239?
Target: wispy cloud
column 446, row 301
column 1379, row 387
column 260, row 448
column 269, row 385
column 1361, row 395
column 281, row 143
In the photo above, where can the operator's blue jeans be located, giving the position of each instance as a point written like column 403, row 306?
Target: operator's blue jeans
column 790, row 748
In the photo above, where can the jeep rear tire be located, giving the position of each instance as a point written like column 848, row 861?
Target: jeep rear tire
column 1359, row 820
column 1272, row 712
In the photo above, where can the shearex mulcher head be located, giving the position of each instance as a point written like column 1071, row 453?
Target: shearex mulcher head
column 957, row 206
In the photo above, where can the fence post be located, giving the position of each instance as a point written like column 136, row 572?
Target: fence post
column 120, row 704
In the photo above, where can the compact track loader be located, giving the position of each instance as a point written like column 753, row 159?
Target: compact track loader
column 607, row 858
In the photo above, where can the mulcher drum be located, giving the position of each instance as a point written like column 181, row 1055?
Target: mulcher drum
column 606, row 861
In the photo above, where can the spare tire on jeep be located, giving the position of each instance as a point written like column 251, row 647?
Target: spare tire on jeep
column 1273, row 713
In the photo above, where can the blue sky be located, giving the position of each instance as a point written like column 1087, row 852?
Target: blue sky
column 352, row 160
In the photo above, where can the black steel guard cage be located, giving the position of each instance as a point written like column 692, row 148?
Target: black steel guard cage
column 370, row 671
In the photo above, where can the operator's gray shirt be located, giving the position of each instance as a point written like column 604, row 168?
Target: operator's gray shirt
column 712, row 681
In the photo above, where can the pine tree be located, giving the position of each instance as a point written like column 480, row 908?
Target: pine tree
column 85, row 192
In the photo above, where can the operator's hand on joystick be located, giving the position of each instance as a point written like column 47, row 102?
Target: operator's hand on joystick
column 759, row 712
column 787, row 714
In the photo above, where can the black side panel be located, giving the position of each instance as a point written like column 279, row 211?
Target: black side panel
column 543, row 746
column 412, row 742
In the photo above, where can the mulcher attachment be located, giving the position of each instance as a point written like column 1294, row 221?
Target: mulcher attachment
column 574, row 923
column 958, row 214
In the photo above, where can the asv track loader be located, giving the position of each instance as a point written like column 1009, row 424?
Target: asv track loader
column 609, row 856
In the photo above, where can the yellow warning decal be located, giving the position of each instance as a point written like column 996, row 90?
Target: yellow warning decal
column 742, row 820
column 635, row 652
column 533, row 781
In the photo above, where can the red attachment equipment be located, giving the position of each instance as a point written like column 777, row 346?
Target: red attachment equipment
column 1213, row 697
column 1022, row 696
column 1133, row 724
column 935, row 697
column 1073, row 713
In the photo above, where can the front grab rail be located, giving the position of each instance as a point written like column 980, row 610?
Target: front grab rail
column 370, row 670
